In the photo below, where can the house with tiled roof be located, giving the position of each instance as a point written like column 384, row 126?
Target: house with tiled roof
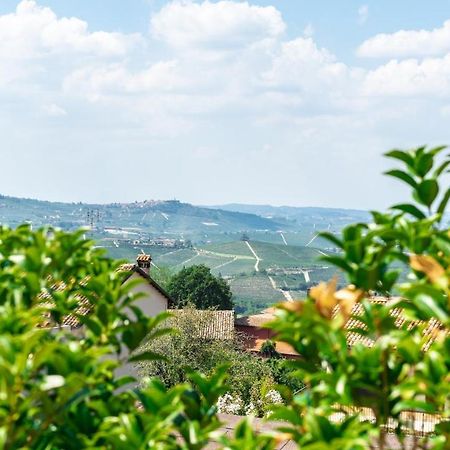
column 153, row 298
column 210, row 324
column 252, row 328
column 253, row 333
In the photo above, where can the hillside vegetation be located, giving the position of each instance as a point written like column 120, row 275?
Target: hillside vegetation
column 266, row 253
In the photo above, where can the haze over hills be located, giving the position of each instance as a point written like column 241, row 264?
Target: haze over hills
column 301, row 214
column 161, row 216
column 266, row 253
column 174, row 216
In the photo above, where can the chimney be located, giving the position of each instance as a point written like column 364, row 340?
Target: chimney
column 144, row 262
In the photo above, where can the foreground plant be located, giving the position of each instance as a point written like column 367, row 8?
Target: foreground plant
column 60, row 391
column 400, row 364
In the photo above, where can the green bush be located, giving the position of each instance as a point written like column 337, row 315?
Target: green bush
column 60, row 391
column 404, row 368
column 187, row 350
column 196, row 285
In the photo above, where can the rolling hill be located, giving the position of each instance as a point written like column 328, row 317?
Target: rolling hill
column 301, row 215
column 267, row 254
column 150, row 216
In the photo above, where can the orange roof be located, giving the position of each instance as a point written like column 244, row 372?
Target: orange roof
column 212, row 324
column 430, row 331
column 142, row 257
column 281, row 347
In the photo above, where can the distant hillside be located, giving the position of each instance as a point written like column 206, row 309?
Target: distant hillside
column 150, row 216
column 321, row 217
column 259, row 273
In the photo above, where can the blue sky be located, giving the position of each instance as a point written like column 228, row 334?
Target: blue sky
column 282, row 102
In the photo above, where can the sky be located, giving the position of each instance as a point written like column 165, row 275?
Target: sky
column 283, row 102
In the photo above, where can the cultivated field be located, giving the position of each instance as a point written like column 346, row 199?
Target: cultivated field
column 260, row 273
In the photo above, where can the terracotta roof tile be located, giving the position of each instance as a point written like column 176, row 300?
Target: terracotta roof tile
column 84, row 306
column 143, row 258
column 281, row 347
column 214, row 324
column 431, row 328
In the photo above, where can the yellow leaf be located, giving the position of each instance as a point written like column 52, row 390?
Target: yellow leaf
column 296, row 306
column 323, row 294
column 347, row 298
column 428, row 265
column 282, row 437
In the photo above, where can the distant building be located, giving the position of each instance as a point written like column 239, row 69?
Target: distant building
column 251, row 328
column 153, row 301
column 210, row 324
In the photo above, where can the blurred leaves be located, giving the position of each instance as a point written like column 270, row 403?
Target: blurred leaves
column 60, row 390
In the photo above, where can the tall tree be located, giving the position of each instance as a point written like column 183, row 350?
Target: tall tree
column 196, row 285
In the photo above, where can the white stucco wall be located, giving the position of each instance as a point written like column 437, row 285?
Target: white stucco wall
column 153, row 302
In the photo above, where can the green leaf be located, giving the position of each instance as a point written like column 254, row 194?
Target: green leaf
column 402, row 176
column 413, row 405
column 332, row 238
column 427, row 191
column 102, row 313
column 410, row 351
column 410, row 209
column 430, row 307
column 441, row 168
column 423, row 164
column 340, row 385
column 434, row 151
column 92, row 324
column 338, row 262
column 402, row 156
column 443, row 203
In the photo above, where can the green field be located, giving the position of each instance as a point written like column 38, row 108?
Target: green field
column 279, row 255
column 252, row 290
column 253, row 293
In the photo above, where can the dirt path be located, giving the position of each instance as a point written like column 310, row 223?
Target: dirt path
column 224, row 255
column 171, row 253
column 306, row 275
column 190, row 259
column 284, row 239
column 274, row 285
column 154, row 265
column 311, row 241
column 255, row 255
column 287, row 295
column 225, row 263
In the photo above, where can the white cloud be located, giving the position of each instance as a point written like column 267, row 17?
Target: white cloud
column 53, row 110
column 405, row 43
column 112, row 79
column 33, row 30
column 301, row 70
column 363, row 14
column 215, row 26
column 228, row 85
column 410, row 77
